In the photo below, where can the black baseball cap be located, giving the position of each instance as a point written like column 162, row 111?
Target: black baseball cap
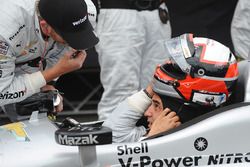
column 69, row 18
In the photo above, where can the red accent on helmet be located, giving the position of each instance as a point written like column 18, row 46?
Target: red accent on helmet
column 232, row 71
column 190, row 84
column 209, row 77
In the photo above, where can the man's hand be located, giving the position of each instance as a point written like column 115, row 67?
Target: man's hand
column 66, row 64
column 58, row 107
column 164, row 122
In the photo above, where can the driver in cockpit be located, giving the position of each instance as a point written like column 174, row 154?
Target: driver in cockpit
column 198, row 77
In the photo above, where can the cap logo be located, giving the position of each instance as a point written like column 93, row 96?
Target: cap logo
column 79, row 21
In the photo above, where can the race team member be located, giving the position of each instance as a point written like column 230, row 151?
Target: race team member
column 198, row 77
column 131, row 36
column 37, row 41
column 240, row 29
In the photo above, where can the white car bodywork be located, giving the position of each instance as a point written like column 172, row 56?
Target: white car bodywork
column 219, row 138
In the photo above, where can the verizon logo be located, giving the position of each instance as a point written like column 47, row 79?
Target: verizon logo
column 86, row 140
column 9, row 95
column 79, row 21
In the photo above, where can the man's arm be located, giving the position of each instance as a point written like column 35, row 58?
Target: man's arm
column 15, row 88
column 65, row 65
column 123, row 119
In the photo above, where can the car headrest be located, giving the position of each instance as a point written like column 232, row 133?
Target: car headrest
column 242, row 89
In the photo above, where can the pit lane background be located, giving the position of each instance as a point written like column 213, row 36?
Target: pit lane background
column 82, row 91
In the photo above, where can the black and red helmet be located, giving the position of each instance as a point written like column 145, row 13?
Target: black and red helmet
column 199, row 70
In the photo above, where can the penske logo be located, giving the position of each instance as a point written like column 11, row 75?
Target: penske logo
column 77, row 140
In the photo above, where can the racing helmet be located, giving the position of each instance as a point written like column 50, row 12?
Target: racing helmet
column 199, row 71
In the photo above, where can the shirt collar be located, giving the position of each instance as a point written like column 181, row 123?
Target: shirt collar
column 38, row 30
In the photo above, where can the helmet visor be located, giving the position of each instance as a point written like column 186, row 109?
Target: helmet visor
column 173, row 70
column 178, row 51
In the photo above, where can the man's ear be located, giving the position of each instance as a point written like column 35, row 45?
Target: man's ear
column 46, row 29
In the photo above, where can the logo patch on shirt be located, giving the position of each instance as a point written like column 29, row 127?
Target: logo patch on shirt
column 17, row 32
column 10, row 95
column 3, row 47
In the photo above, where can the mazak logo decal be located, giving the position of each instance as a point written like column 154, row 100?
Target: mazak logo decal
column 9, row 95
column 76, row 140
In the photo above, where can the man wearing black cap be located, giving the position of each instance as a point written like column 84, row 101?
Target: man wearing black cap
column 37, row 41
column 131, row 34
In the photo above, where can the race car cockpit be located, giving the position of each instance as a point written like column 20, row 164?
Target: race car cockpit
column 240, row 97
column 216, row 138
